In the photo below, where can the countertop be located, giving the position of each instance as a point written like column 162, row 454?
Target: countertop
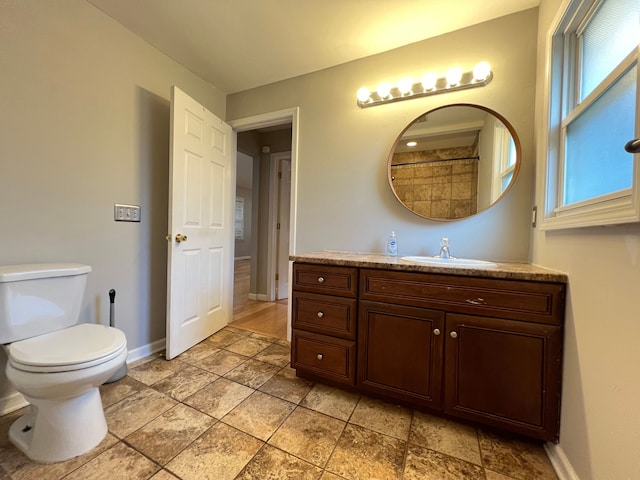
column 504, row 270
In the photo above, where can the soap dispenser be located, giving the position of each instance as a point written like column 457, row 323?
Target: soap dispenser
column 392, row 245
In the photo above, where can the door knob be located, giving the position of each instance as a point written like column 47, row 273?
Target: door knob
column 181, row 238
column 436, row 331
column 454, row 334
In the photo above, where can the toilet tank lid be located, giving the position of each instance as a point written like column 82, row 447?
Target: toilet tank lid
column 16, row 273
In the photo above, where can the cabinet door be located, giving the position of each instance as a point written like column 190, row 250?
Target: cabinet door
column 400, row 352
column 504, row 373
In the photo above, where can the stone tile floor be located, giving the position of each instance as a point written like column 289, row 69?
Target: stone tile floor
column 232, row 408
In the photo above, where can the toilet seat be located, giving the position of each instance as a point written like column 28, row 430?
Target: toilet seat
column 74, row 348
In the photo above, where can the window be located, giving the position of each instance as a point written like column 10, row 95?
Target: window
column 504, row 160
column 593, row 112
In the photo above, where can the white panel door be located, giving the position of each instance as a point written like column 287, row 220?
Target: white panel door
column 201, row 191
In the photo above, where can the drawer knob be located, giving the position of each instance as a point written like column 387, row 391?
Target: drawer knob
column 319, row 356
column 475, row 301
column 436, row 331
column 320, row 314
column 454, row 334
column 320, row 279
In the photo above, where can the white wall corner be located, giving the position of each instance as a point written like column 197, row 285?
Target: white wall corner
column 560, row 462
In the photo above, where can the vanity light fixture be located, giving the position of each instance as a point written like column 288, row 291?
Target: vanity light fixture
column 384, row 90
column 430, row 84
column 454, row 75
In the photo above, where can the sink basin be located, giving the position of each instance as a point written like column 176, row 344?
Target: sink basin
column 450, row 262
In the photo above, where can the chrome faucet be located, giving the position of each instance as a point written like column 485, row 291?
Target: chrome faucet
column 444, row 248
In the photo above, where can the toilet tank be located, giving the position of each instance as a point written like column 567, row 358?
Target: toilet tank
column 40, row 298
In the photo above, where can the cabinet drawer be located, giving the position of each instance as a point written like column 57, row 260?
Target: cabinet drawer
column 522, row 300
column 324, row 314
column 341, row 281
column 327, row 357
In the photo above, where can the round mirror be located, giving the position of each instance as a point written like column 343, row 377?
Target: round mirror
column 454, row 161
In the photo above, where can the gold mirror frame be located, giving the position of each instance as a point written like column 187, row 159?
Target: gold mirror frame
column 447, row 183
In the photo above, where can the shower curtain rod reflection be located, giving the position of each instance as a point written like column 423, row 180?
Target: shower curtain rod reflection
column 434, row 161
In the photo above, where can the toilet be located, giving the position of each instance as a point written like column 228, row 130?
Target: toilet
column 56, row 363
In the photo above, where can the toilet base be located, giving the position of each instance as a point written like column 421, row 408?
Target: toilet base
column 58, row 430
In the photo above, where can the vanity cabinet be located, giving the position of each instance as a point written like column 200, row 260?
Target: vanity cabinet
column 483, row 349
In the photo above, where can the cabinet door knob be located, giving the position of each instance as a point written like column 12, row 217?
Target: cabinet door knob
column 320, row 314
column 436, row 331
column 319, row 356
column 320, row 279
column 454, row 334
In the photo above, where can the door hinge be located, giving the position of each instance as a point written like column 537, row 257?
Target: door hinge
column 277, row 277
column 279, row 174
column 278, row 226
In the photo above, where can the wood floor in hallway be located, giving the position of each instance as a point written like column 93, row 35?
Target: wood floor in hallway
column 267, row 318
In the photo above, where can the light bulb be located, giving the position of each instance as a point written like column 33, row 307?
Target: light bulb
column 429, row 81
column 411, row 143
column 363, row 94
column 404, row 85
column 454, row 75
column 481, row 71
column 384, row 90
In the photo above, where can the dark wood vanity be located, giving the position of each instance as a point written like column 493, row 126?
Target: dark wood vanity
column 484, row 345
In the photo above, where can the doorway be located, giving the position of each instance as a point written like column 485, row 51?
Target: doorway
column 266, row 219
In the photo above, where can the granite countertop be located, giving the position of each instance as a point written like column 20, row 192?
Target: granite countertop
column 504, row 270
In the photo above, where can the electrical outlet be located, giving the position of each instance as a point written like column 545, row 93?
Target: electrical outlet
column 126, row 213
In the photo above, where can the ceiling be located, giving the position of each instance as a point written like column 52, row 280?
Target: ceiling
column 240, row 44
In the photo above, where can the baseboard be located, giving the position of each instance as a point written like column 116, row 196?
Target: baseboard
column 11, row 403
column 258, row 296
column 560, row 462
column 146, row 350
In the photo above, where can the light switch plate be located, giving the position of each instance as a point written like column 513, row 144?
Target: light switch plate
column 126, row 213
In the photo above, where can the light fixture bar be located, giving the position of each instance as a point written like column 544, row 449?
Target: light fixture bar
column 440, row 85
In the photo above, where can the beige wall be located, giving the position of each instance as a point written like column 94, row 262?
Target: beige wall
column 84, row 124
column 344, row 200
column 600, row 426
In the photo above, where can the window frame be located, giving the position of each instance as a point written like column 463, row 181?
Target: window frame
column 562, row 62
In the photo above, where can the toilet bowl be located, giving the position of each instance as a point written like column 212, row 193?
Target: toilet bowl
column 57, row 365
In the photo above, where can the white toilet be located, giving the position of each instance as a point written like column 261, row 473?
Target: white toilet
column 55, row 363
